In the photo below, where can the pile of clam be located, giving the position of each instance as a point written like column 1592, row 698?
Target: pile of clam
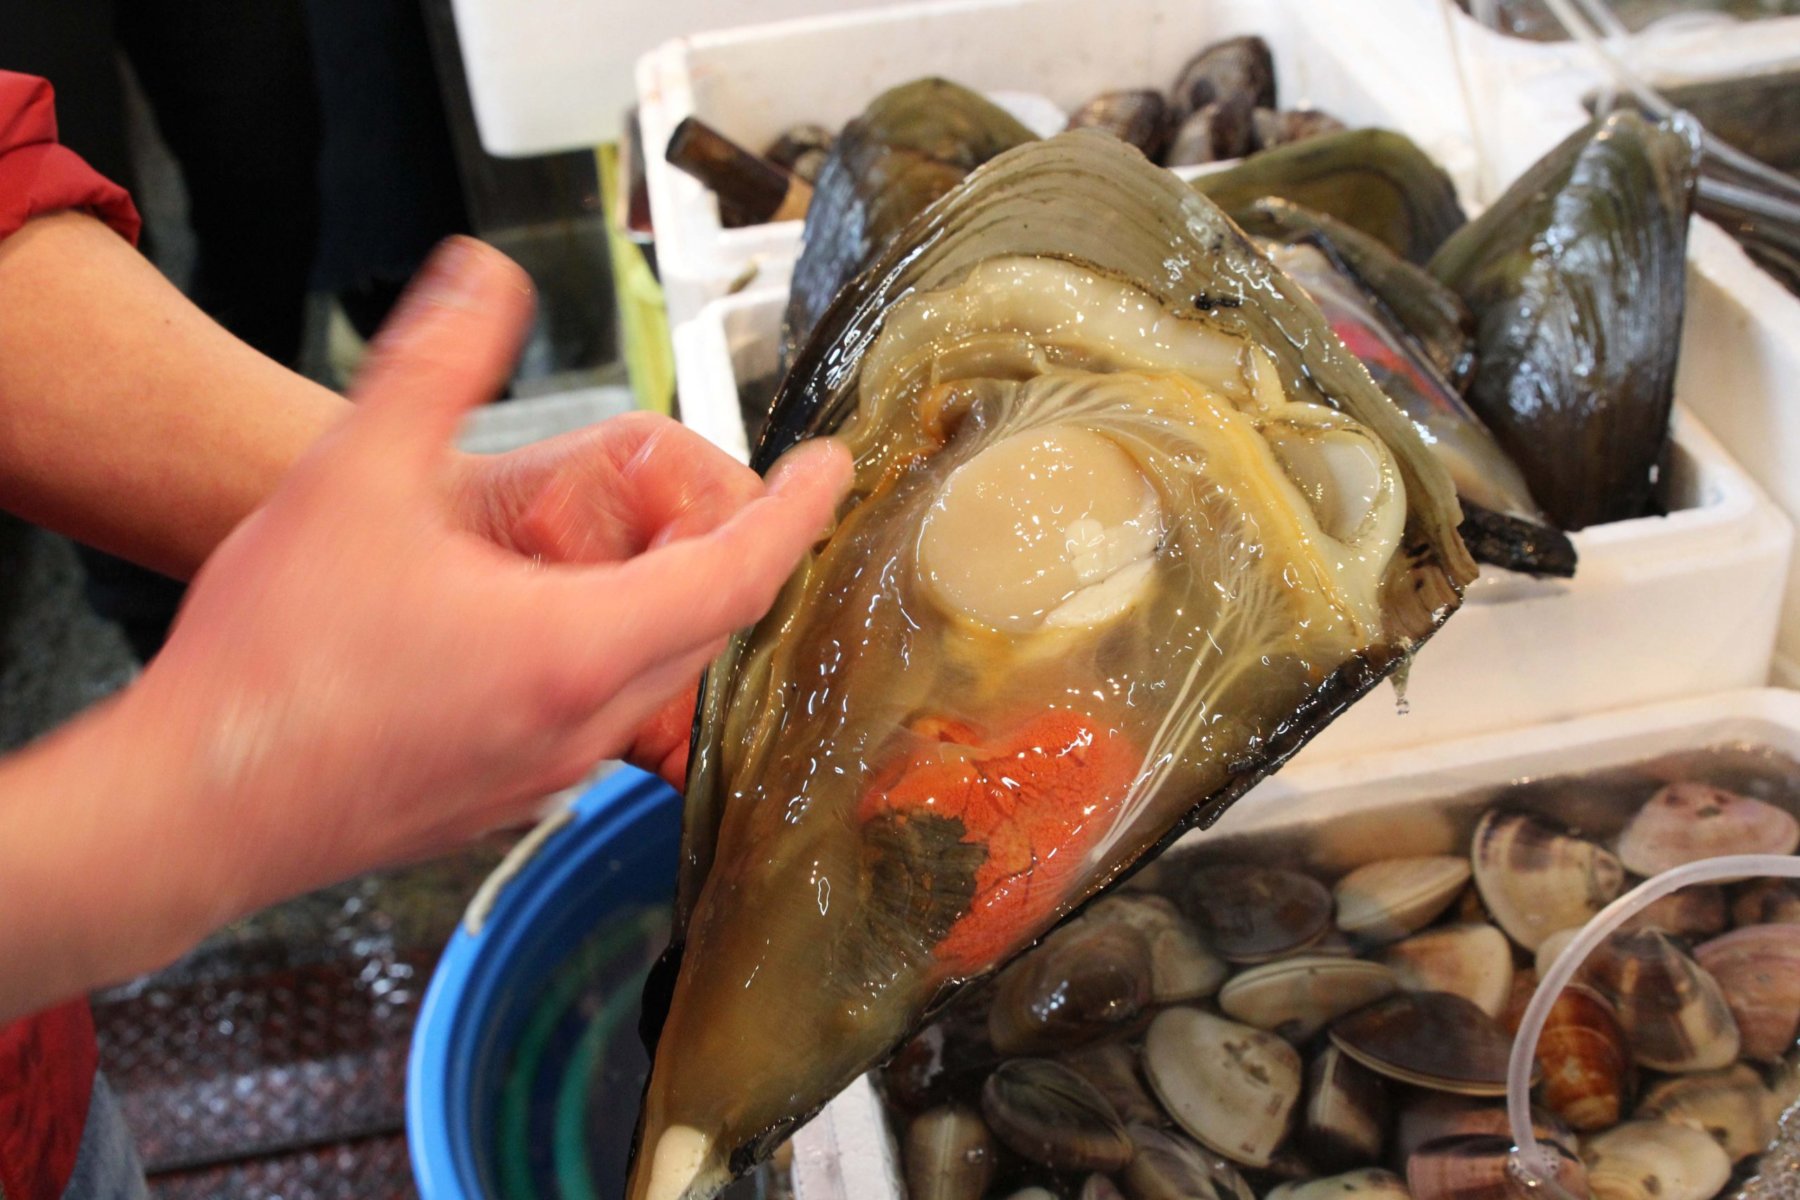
column 1227, row 1029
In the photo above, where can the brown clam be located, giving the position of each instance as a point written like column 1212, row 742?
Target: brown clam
column 1167, row 1166
column 1654, row 1160
column 1732, row 1105
column 1138, row 118
column 1240, row 66
column 1112, row 1067
column 1536, row 879
column 1686, row 822
column 1766, row 902
column 1672, row 1010
column 949, row 1155
column 1275, row 128
column 1427, row 1117
column 1386, row 900
column 1231, row 1086
column 1431, row 1039
column 1758, row 968
column 1369, row 1183
column 1346, row 1112
column 1084, row 981
column 1049, row 1115
column 1296, row 997
column 1476, row 1166
column 1524, row 987
column 1692, row 912
column 1218, row 130
column 1551, row 948
column 1252, row 914
column 1585, row 1060
column 1471, row 961
column 1181, row 968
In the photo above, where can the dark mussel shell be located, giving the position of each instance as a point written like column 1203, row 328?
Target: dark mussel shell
column 1239, row 68
column 1213, row 132
column 1373, row 179
column 1576, row 277
column 1137, row 118
column 910, row 146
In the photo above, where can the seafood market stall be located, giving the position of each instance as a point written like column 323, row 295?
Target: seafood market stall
column 1284, row 709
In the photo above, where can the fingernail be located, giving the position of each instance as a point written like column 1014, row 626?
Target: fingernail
column 804, row 459
column 450, row 278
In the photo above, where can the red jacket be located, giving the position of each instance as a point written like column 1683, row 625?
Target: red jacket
column 47, row 1061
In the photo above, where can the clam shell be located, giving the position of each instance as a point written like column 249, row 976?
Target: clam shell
column 1758, row 967
column 1084, row 981
column 1585, row 1060
column 1346, row 1111
column 1049, row 1115
column 1471, row 961
column 1392, row 898
column 949, row 1155
column 1672, row 1010
column 1231, row 1086
column 1369, row 1183
column 1535, row 879
column 1732, row 1106
column 1476, row 1167
column 1428, row 1117
column 1167, row 1166
column 1524, row 987
column 1654, row 1160
column 1686, row 822
column 1112, row 1067
column 1431, row 1039
column 1181, row 968
column 1296, row 997
column 1551, row 948
column 1766, row 902
column 1693, row 912
column 1253, row 914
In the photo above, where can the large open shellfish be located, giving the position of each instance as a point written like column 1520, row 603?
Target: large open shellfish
column 1129, row 526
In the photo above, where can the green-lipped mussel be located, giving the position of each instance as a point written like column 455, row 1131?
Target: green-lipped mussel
column 1129, row 526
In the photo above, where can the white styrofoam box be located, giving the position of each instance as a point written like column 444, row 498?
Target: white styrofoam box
column 1344, row 56
column 1395, row 790
column 552, row 75
column 1660, row 607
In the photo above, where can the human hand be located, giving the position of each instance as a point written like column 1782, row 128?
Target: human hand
column 601, row 495
column 398, row 653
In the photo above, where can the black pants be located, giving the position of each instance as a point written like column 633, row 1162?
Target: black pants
column 231, row 86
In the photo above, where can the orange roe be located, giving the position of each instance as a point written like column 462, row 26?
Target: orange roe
column 1037, row 801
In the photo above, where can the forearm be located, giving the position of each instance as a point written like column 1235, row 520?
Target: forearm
column 128, row 418
column 104, row 872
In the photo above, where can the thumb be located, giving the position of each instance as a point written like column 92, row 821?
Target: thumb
column 449, row 346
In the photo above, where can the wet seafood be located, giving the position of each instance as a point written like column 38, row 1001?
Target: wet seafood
column 1475, row 1167
column 1298, row 996
column 1369, row 1183
column 1654, row 1160
column 1732, row 1105
column 1766, row 902
column 1296, row 125
column 1374, row 180
column 1252, row 914
column 1215, row 131
column 1084, row 981
column 1239, row 66
column 1693, row 912
column 911, row 144
column 1051, row 1116
column 1231, row 1086
column 1345, row 1115
column 1384, row 901
column 1585, row 1059
column 1472, row 961
column 1431, row 1039
column 1577, row 350
column 1758, row 969
column 1686, row 822
column 949, row 1155
column 943, row 739
column 802, row 149
column 1536, row 879
column 1137, row 118
column 1112, row 1068
column 1181, row 968
column 1673, row 1012
column 1167, row 1166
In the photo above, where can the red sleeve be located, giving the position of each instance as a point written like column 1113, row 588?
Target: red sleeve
column 37, row 175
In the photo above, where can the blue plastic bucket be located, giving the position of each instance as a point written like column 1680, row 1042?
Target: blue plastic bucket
column 616, row 852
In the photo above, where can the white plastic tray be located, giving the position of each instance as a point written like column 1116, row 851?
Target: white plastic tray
column 1660, row 607
column 1345, row 56
column 848, row 1152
